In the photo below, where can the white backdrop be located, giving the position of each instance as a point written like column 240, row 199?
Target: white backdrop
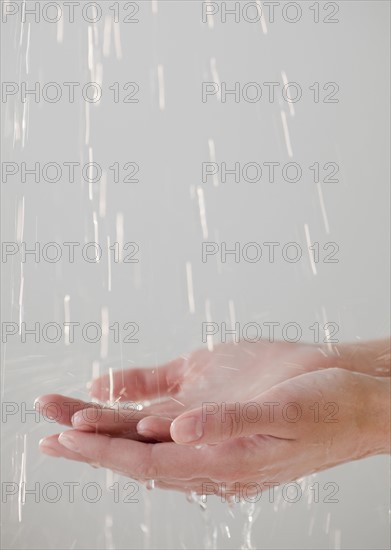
column 340, row 66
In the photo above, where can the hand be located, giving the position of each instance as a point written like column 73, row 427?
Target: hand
column 244, row 454
column 231, row 372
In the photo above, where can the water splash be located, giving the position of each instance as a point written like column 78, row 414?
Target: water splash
column 290, row 104
column 190, row 289
column 160, row 78
column 286, row 134
column 248, row 509
column 309, row 245
column 201, row 206
column 215, row 76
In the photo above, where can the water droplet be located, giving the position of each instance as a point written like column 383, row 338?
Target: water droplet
column 150, row 484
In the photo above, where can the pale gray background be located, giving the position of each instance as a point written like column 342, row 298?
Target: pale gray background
column 161, row 213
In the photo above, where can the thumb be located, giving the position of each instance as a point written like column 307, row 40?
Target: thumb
column 218, row 422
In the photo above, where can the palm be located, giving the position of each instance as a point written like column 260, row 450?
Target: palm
column 234, row 372
column 230, row 373
column 274, row 450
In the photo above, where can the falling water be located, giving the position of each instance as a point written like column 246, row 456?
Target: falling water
column 169, row 291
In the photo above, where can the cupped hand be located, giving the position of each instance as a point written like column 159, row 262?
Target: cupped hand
column 231, row 372
column 301, row 425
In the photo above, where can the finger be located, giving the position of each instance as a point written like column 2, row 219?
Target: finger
column 93, row 416
column 284, row 411
column 155, row 427
column 232, row 461
column 61, row 408
column 51, row 446
column 115, row 422
column 216, row 423
column 143, row 460
column 140, row 383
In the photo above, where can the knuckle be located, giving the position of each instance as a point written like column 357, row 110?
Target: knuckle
column 234, row 426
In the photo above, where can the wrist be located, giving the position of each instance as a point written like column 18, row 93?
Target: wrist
column 379, row 415
column 372, row 357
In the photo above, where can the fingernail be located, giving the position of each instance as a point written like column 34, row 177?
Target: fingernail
column 80, row 423
column 47, row 447
column 50, row 412
column 142, row 427
column 78, row 419
column 44, row 442
column 37, row 404
column 187, row 430
column 68, row 441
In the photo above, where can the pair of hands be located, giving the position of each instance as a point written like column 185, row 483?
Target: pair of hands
column 241, row 416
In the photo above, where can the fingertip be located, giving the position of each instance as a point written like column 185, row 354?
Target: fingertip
column 155, row 427
column 45, row 442
column 143, row 426
column 47, row 445
column 187, row 430
column 79, row 422
column 146, row 427
column 45, row 400
column 146, row 433
column 77, row 419
column 68, row 441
